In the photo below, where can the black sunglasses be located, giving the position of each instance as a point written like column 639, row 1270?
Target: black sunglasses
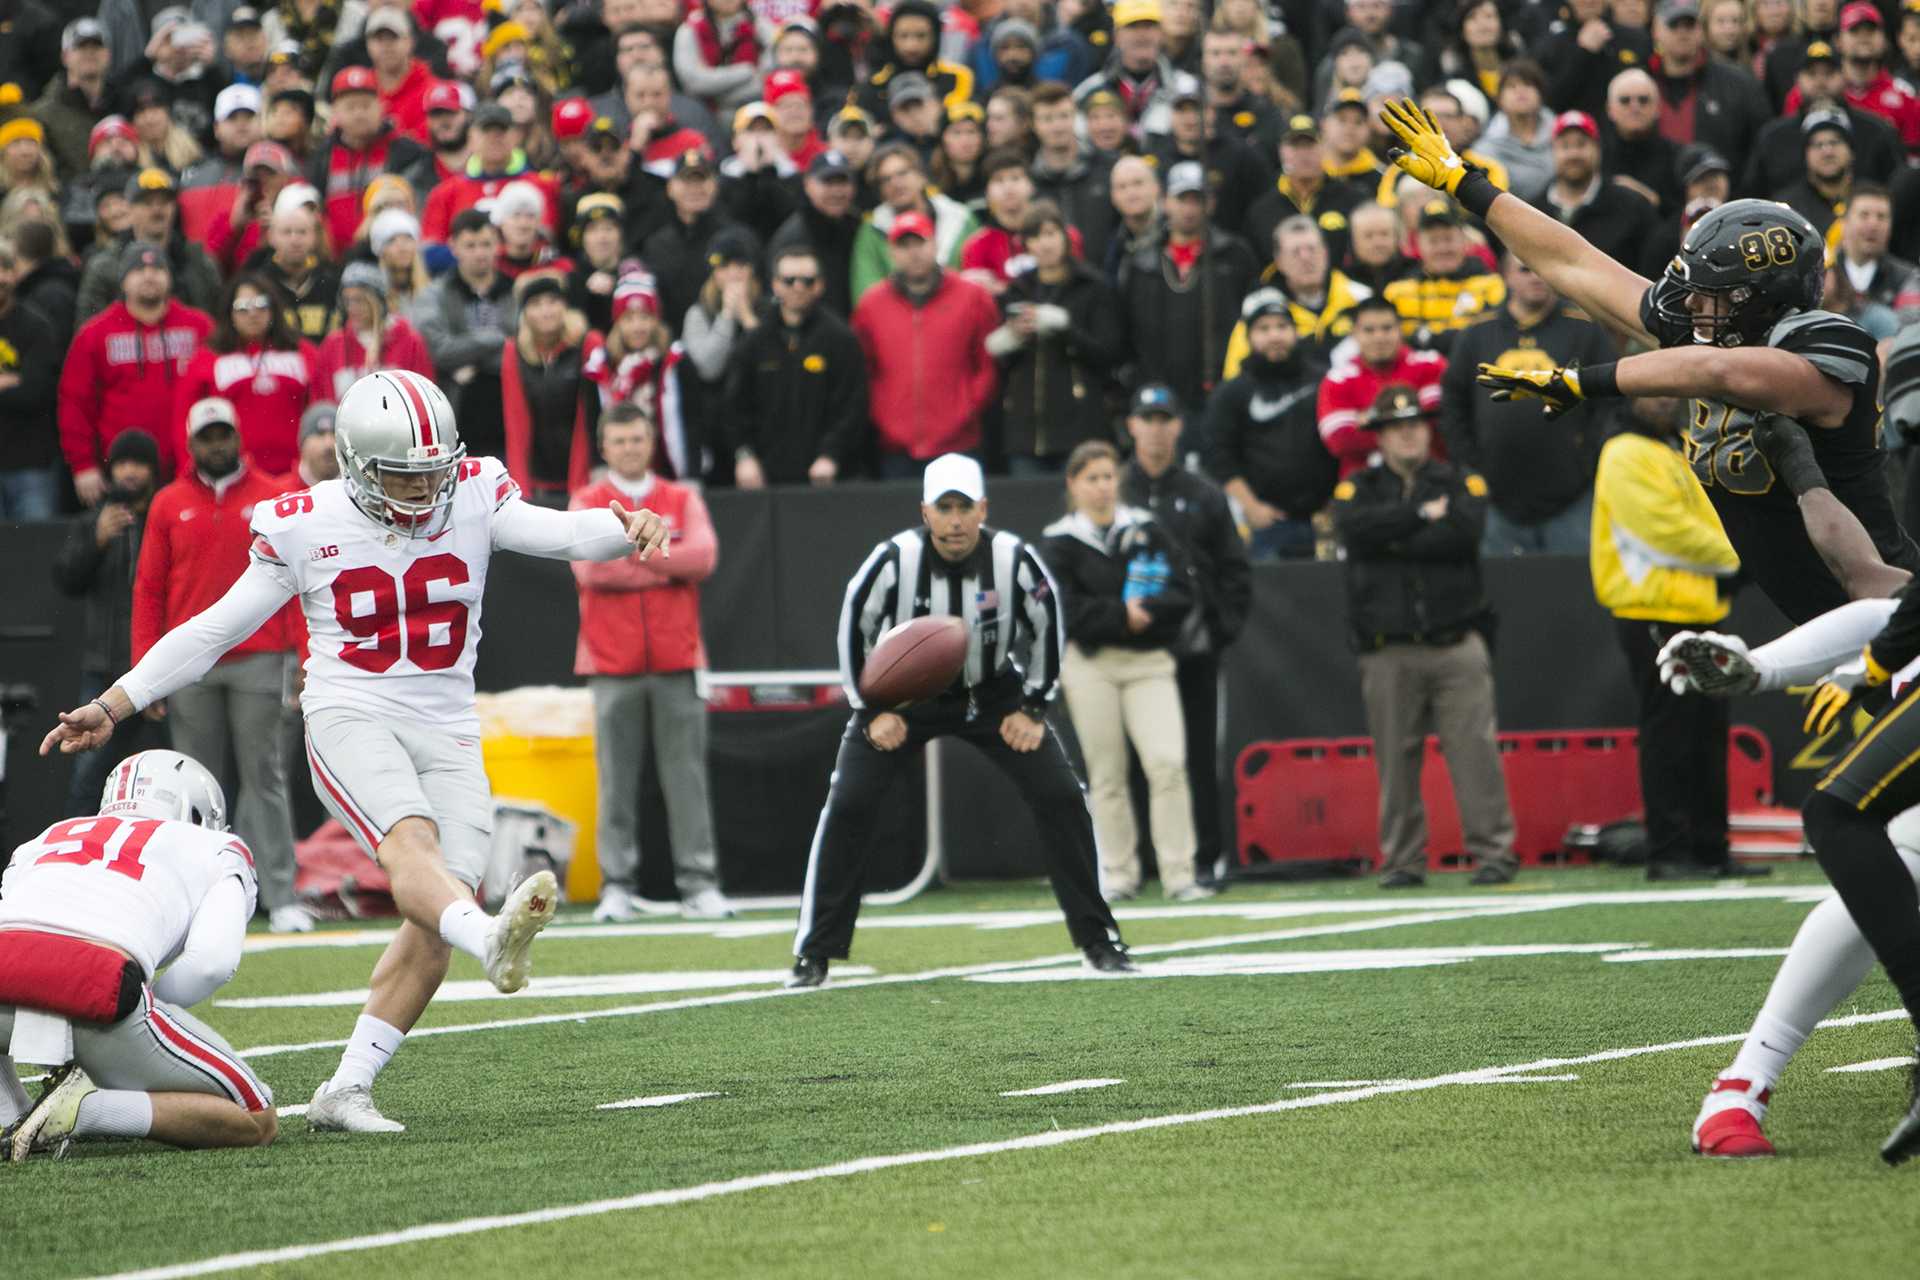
column 799, row 282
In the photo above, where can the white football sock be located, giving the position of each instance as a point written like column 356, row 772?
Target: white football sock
column 1827, row 960
column 14, row 1101
column 373, row 1044
column 1811, row 650
column 465, row 926
column 114, row 1113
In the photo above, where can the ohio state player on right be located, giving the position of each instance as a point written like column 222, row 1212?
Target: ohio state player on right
column 390, row 562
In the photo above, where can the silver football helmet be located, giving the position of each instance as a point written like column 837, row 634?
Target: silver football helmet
column 397, row 423
column 165, row 784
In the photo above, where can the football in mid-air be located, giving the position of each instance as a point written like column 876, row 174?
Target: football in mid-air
column 914, row 661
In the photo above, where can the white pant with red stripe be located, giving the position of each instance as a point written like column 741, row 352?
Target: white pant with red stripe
column 160, row 1048
column 370, row 772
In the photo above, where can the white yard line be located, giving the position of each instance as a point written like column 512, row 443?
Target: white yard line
column 1721, row 953
column 660, row 1100
column 873, row 1164
column 1875, row 1064
column 1065, row 1086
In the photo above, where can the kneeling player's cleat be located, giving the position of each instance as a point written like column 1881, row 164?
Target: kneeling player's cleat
column 527, row 911
column 48, row 1125
column 348, row 1110
column 1728, row 1126
column 1904, row 1142
column 808, row 971
column 1108, row 957
column 1708, row 662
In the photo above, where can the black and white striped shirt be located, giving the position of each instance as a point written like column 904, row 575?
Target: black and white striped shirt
column 1002, row 592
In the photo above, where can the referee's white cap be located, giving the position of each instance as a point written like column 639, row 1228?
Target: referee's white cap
column 953, row 473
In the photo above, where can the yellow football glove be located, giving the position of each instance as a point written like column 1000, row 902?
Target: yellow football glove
column 1837, row 689
column 1424, row 151
column 1560, row 388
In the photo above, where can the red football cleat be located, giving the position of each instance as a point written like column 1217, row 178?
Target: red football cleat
column 1733, row 1134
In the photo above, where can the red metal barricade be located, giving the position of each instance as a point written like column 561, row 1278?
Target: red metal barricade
column 1317, row 799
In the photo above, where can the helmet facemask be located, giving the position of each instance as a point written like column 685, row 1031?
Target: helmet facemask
column 413, row 517
column 1738, row 322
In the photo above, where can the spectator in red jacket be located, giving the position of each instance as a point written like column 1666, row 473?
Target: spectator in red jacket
column 255, row 361
column 929, row 375
column 1349, row 392
column 640, row 648
column 361, row 146
column 369, row 338
column 194, row 549
column 233, row 236
column 997, row 252
column 123, row 366
column 496, row 160
column 404, row 79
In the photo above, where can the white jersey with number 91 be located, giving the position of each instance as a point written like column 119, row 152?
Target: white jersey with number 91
column 393, row 622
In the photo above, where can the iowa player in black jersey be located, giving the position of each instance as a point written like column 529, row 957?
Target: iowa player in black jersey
column 1736, row 318
column 1739, row 332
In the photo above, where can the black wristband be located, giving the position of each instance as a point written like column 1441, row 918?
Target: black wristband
column 1787, row 449
column 1476, row 192
column 1600, row 381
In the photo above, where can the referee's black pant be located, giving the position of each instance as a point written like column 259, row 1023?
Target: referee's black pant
column 843, row 842
column 1683, row 755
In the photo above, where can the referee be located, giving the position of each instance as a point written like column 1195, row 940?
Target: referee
column 991, row 581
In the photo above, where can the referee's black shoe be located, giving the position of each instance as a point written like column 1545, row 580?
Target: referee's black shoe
column 1904, row 1142
column 1108, row 957
column 808, row 971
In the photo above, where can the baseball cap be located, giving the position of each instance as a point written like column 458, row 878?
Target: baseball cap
column 355, row 80
column 1395, row 406
column 572, row 117
column 110, row 127
column 1860, row 13
column 445, row 96
column 268, row 155
column 1819, row 51
column 829, row 164
column 491, row 115
column 750, row 112
column 732, row 244
column 598, row 205
column 1576, row 120
column 849, row 118
column 1697, row 160
column 1102, row 97
column 911, row 223
column 1126, row 13
column 296, row 195
column 236, row 97
column 1349, row 99
column 317, row 420
column 909, row 86
column 509, row 75
column 390, row 20
column 781, row 83
column 1827, row 118
column 1388, row 79
column 82, row 31
column 150, row 182
column 1302, row 126
column 1471, row 100
column 1672, row 11
column 1156, row 398
column 245, row 16
column 1184, row 87
column 214, row 411
column 1186, row 179
column 1265, row 302
column 952, row 473
column 285, row 51
column 693, row 160
column 1438, row 213
column 139, row 254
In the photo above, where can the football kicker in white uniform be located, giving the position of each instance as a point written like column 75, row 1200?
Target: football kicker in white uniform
column 109, row 927
column 390, row 562
column 1829, row 957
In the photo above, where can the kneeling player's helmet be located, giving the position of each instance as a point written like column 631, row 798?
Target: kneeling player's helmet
column 398, row 423
column 1766, row 261
column 165, row 784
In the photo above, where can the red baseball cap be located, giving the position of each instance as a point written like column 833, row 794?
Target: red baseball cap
column 781, row 83
column 572, row 117
column 444, row 96
column 913, row 223
column 1861, row 13
column 354, row 80
column 268, row 155
column 1576, row 120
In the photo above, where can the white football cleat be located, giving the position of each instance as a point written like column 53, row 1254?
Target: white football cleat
column 49, row 1125
column 615, row 907
column 708, row 904
column 1707, row 662
column 527, row 911
column 291, row 918
column 348, row 1110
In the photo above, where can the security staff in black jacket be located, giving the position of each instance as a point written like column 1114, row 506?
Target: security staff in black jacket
column 1411, row 525
column 1193, row 510
column 993, row 582
column 797, row 385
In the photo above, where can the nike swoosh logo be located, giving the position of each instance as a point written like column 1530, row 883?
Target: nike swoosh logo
column 435, row 537
column 1264, row 410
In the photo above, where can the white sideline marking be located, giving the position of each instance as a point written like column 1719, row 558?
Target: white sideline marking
column 927, row 975
column 662, row 1100
column 1722, row 953
column 1369, row 1084
column 992, row 920
column 1875, row 1064
column 555, row 987
column 297, row 1109
column 872, row 1164
column 1065, row 1086
column 1283, row 962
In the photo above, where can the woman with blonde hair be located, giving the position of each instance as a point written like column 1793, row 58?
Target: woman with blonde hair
column 1769, row 22
column 34, row 204
column 1725, row 25
column 24, row 162
column 368, row 335
column 163, row 143
column 1128, row 596
column 393, row 237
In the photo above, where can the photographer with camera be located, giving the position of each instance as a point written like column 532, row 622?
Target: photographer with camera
column 97, row 564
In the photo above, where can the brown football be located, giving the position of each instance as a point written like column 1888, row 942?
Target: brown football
column 914, row 661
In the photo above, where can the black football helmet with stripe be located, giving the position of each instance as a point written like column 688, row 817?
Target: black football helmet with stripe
column 1766, row 261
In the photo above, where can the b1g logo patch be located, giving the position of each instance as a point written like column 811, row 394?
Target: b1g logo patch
column 322, row 553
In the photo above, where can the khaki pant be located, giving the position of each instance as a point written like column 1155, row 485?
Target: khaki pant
column 1118, row 696
column 1412, row 690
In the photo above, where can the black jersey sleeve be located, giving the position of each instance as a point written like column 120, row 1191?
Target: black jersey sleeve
column 1835, row 345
